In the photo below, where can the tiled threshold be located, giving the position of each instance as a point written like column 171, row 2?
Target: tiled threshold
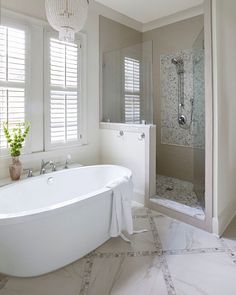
column 181, row 208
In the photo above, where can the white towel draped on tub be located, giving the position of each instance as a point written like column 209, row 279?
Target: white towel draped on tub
column 121, row 217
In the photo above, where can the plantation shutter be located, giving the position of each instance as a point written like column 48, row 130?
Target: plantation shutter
column 132, row 90
column 64, row 118
column 12, row 79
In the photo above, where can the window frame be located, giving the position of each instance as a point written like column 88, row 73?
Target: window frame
column 19, row 24
column 35, row 86
column 80, row 39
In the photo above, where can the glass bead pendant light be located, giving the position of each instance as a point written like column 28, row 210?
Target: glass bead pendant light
column 67, row 16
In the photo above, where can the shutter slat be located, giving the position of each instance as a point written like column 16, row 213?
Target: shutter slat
column 12, row 69
column 63, row 104
column 132, row 90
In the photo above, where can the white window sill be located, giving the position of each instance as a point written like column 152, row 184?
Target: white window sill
column 65, row 149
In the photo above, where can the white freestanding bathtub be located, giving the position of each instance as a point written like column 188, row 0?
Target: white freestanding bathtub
column 50, row 221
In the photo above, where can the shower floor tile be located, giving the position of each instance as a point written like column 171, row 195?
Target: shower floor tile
column 178, row 195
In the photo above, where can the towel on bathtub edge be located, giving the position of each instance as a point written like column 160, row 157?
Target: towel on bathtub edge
column 121, row 216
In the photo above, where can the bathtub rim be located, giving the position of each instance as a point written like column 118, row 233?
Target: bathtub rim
column 11, row 217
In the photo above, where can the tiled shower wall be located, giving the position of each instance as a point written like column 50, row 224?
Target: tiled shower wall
column 171, row 133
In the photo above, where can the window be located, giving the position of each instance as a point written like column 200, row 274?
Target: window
column 63, row 96
column 40, row 82
column 12, row 79
column 132, row 90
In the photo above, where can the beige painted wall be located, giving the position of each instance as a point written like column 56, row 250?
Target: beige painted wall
column 224, row 53
column 114, row 35
column 172, row 160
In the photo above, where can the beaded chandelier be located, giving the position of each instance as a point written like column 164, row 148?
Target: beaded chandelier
column 67, row 17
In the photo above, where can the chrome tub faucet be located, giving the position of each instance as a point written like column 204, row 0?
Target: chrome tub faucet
column 44, row 165
column 30, row 172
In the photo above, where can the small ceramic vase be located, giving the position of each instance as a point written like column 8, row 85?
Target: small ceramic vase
column 15, row 168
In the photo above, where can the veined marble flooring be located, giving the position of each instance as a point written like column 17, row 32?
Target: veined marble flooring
column 178, row 195
column 172, row 258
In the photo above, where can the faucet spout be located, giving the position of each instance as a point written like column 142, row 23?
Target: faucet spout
column 43, row 166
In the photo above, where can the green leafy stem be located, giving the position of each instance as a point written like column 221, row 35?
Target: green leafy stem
column 16, row 137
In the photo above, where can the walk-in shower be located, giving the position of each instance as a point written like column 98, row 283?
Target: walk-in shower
column 181, row 128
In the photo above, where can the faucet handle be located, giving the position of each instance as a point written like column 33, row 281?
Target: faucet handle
column 54, row 165
column 68, row 159
column 30, row 172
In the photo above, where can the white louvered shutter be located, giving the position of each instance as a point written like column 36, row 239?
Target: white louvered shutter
column 132, row 90
column 12, row 78
column 64, row 94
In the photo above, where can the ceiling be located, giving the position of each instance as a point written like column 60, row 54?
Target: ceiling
column 146, row 11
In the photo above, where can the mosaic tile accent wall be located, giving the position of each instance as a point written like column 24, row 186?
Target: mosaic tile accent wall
column 171, row 133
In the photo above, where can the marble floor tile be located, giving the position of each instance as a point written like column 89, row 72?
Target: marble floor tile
column 203, row 274
column 66, row 281
column 139, row 242
column 175, row 235
column 127, row 276
column 138, row 209
column 193, row 262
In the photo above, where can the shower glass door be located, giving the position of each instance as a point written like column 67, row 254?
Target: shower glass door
column 198, row 124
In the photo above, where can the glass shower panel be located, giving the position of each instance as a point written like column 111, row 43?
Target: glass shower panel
column 127, row 85
column 198, row 128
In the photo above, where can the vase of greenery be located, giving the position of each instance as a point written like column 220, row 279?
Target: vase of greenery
column 16, row 139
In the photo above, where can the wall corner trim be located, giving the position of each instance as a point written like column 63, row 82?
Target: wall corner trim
column 179, row 16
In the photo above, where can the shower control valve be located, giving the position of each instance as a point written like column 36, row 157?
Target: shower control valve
column 182, row 120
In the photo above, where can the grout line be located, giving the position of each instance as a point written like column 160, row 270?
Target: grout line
column 228, row 250
column 86, row 277
column 167, row 276
column 194, row 251
column 3, row 281
column 126, row 254
column 157, row 252
column 164, row 265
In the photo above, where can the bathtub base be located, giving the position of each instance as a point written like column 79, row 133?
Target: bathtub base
column 52, row 241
